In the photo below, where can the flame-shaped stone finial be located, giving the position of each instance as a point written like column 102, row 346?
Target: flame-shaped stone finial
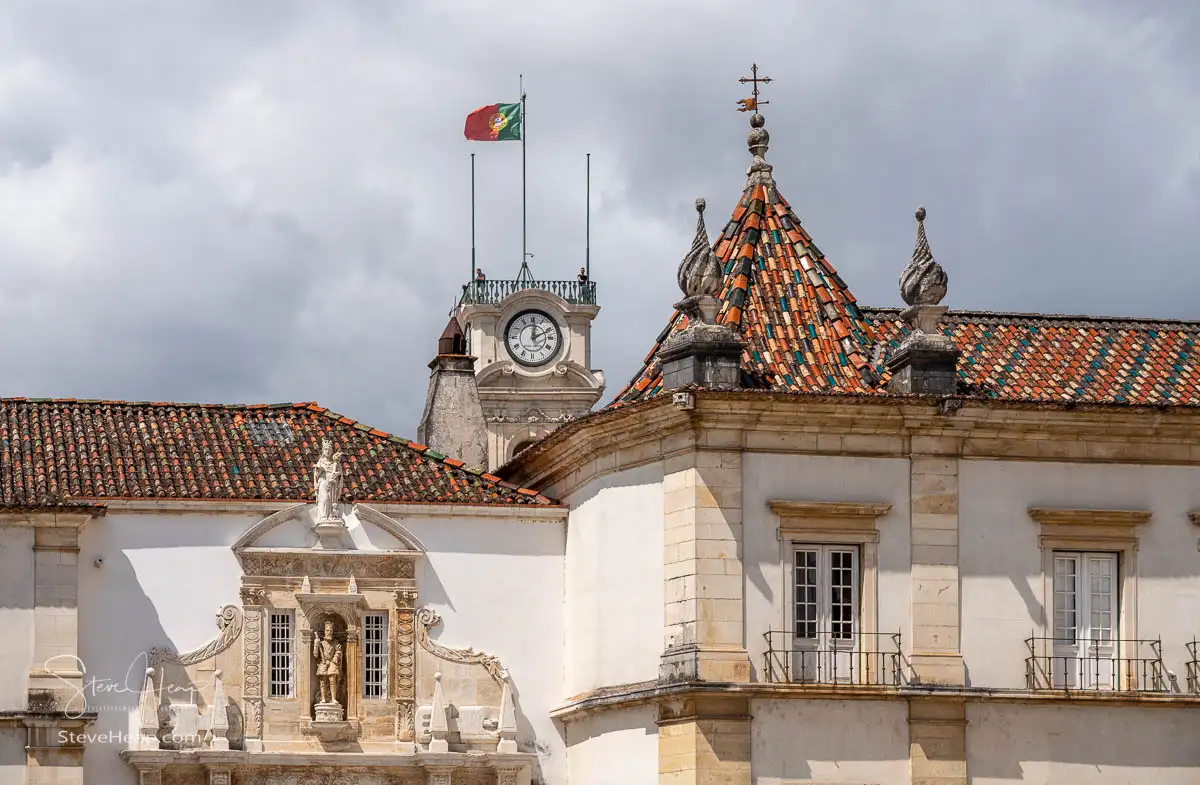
column 700, row 272
column 923, row 281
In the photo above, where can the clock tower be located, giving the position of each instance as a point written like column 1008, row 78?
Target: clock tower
column 531, row 341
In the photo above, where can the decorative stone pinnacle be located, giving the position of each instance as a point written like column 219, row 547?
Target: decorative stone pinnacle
column 700, row 272
column 758, row 141
column 923, row 281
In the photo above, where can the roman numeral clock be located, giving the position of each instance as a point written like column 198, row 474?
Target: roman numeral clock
column 531, row 343
column 532, row 338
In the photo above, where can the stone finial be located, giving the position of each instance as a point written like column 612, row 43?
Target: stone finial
column 923, row 281
column 508, row 720
column 218, row 724
column 700, row 272
column 759, row 141
column 148, row 714
column 439, row 725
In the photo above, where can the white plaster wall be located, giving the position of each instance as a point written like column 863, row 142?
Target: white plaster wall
column 614, row 582
column 498, row 586
column 801, row 741
column 770, row 477
column 1001, row 561
column 497, row 583
column 16, row 614
column 163, row 580
column 614, row 748
column 12, row 755
column 1081, row 745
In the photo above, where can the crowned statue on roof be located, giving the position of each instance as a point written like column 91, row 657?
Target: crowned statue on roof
column 327, row 477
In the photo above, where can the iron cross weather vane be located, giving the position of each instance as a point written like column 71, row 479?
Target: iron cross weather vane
column 752, row 103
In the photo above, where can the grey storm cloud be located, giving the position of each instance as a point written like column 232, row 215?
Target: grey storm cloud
column 269, row 201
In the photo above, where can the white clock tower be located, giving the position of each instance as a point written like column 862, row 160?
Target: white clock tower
column 531, row 341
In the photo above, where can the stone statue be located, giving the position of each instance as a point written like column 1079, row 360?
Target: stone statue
column 327, row 477
column 328, row 654
column 700, row 277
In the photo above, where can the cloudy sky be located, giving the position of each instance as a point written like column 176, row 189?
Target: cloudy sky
column 269, row 201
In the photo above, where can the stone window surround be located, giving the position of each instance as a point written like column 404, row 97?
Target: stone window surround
column 1106, row 531
column 832, row 523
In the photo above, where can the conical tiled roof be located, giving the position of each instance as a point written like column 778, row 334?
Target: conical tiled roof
column 803, row 329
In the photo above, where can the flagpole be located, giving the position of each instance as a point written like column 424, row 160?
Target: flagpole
column 524, row 243
column 471, row 280
column 587, row 248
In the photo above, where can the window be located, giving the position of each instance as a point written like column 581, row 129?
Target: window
column 375, row 655
column 825, row 611
column 281, row 654
column 1085, row 619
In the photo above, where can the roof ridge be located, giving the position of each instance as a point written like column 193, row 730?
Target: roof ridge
column 871, row 310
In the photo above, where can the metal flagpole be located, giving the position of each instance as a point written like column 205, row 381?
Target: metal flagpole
column 524, row 244
column 471, row 280
column 587, row 250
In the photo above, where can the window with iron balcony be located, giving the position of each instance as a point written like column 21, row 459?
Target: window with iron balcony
column 1091, row 640
column 828, row 634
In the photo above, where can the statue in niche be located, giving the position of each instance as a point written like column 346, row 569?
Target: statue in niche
column 329, row 655
column 327, row 477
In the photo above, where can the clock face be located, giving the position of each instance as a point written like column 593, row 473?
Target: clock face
column 532, row 338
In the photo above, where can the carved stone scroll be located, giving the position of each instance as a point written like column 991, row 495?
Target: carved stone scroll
column 427, row 620
column 229, row 622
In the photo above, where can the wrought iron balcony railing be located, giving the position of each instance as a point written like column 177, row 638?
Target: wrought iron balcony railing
column 866, row 659
column 1114, row 665
column 1193, row 667
column 489, row 292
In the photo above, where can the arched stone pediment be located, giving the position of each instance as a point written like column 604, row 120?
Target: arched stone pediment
column 301, row 517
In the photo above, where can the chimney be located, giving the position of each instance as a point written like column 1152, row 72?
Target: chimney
column 452, row 422
column 925, row 362
column 704, row 353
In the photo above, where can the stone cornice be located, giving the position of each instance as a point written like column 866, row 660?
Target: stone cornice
column 46, row 518
column 808, row 509
column 884, row 426
column 1065, row 517
column 651, row 693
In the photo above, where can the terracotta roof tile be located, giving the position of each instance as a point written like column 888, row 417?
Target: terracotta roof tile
column 805, row 332
column 69, row 452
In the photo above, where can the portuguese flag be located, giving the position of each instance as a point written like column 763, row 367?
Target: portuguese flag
column 495, row 123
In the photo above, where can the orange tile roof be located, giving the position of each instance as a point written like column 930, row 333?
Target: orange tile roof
column 805, row 333
column 803, row 329
column 71, row 452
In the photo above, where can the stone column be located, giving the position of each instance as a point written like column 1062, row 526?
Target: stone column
column 304, row 669
column 352, row 666
column 54, row 751
column 937, row 733
column 404, row 648
column 252, row 657
column 704, row 741
column 935, row 651
column 702, row 517
column 55, row 677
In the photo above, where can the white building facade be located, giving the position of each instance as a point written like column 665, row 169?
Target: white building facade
column 809, row 543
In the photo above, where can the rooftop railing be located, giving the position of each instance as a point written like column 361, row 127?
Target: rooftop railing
column 1193, row 667
column 1115, row 665
column 488, row 292
column 864, row 659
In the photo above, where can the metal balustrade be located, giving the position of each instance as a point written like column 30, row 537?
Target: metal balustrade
column 487, row 292
column 864, row 659
column 1193, row 667
column 1116, row 665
